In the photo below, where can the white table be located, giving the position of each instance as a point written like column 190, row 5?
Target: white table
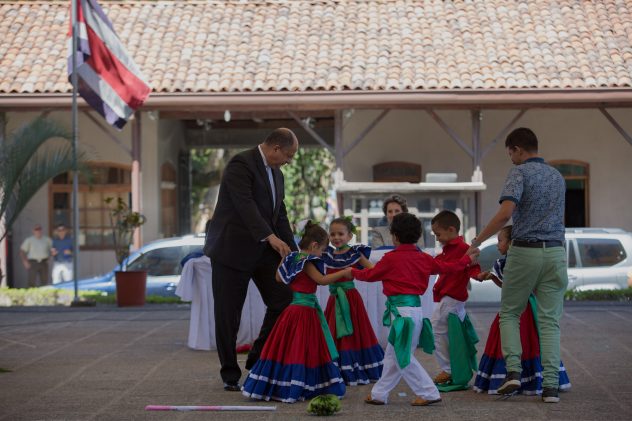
column 195, row 286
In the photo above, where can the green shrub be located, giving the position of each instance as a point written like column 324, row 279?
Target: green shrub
column 53, row 297
column 600, row 295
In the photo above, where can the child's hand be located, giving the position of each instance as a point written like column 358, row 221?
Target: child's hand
column 347, row 272
column 473, row 254
column 483, row 276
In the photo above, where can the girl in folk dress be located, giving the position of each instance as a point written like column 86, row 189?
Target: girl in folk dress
column 360, row 355
column 491, row 370
column 298, row 359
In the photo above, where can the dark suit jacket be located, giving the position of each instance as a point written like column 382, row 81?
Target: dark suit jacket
column 244, row 214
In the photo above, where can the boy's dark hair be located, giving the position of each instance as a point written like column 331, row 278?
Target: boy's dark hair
column 346, row 222
column 506, row 231
column 523, row 138
column 406, row 227
column 313, row 232
column 396, row 198
column 446, row 219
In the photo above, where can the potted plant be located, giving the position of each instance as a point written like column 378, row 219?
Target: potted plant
column 130, row 285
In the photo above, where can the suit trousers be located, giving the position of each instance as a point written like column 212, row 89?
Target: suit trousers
column 230, row 287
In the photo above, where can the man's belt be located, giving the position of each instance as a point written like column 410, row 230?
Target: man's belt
column 537, row 244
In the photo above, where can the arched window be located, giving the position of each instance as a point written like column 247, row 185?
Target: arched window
column 168, row 199
column 108, row 180
column 577, row 176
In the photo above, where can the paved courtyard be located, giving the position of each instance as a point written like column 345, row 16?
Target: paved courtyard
column 107, row 363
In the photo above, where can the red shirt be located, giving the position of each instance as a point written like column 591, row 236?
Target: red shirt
column 454, row 284
column 405, row 270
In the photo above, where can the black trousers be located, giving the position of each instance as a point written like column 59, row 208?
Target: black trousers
column 230, row 287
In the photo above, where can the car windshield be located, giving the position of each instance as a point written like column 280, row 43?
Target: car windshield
column 163, row 261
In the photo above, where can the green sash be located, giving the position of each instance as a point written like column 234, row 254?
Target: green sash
column 344, row 327
column 426, row 339
column 402, row 328
column 310, row 300
column 462, row 347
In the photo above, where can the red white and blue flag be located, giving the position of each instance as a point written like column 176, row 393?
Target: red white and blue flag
column 109, row 80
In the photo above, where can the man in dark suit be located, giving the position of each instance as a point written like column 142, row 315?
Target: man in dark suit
column 246, row 238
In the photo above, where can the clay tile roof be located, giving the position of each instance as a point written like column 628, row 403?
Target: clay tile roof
column 345, row 45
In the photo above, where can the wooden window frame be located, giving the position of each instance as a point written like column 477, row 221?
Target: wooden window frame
column 585, row 177
column 85, row 188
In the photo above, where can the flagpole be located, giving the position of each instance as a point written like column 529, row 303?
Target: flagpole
column 75, row 136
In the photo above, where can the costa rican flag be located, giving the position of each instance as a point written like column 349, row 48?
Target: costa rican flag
column 109, row 80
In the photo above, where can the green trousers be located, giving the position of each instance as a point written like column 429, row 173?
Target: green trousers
column 542, row 271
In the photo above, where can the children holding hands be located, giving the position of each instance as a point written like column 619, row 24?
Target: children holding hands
column 404, row 273
column 298, row 359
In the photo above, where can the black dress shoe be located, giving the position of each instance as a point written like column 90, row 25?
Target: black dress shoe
column 232, row 387
column 250, row 362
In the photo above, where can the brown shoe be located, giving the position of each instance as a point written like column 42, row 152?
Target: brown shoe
column 442, row 377
column 422, row 402
column 372, row 401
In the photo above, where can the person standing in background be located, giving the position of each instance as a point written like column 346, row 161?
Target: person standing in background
column 62, row 255
column 380, row 236
column 35, row 252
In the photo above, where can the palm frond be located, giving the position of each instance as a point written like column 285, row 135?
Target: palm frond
column 28, row 165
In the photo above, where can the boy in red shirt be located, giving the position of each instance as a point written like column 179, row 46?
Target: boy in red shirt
column 450, row 290
column 404, row 274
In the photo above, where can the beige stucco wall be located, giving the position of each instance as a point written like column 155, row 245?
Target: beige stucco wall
column 100, row 147
column 583, row 134
column 402, row 135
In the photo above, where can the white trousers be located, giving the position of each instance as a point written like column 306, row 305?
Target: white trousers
column 62, row 271
column 414, row 374
column 439, row 321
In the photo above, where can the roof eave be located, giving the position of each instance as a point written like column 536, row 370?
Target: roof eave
column 305, row 100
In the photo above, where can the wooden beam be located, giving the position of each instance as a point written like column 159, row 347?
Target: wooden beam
column 253, row 115
column 450, row 132
column 311, row 132
column 616, row 125
column 503, row 133
column 338, row 141
column 476, row 138
column 366, row 130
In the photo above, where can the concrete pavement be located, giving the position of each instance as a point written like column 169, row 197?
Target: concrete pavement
column 107, row 363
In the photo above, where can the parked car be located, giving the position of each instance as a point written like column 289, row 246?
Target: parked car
column 161, row 259
column 598, row 258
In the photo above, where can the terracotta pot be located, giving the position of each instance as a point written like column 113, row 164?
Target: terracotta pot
column 130, row 288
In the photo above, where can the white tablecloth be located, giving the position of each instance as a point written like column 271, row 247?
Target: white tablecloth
column 195, row 286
